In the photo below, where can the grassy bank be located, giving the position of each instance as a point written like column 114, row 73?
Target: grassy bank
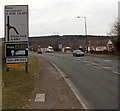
column 19, row 85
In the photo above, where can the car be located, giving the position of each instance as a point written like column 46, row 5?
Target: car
column 39, row 52
column 78, row 53
column 49, row 49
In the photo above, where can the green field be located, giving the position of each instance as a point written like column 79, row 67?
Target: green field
column 19, row 85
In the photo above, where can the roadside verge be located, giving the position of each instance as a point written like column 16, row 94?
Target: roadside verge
column 58, row 95
column 18, row 85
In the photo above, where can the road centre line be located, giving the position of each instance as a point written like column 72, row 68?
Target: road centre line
column 107, row 60
column 97, row 67
column 115, row 72
column 106, row 67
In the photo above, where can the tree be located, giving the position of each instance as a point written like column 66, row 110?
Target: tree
column 115, row 31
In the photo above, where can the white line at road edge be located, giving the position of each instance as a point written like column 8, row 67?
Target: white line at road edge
column 115, row 72
column 73, row 88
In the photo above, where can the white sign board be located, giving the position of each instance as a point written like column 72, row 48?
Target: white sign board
column 16, row 60
column 60, row 46
column 119, row 11
column 16, row 23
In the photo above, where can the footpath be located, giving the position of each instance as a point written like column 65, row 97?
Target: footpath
column 56, row 94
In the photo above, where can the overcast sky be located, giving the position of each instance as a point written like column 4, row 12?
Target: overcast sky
column 49, row 17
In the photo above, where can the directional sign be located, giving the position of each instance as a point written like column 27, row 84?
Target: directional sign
column 60, row 46
column 19, row 49
column 16, row 23
column 12, row 52
column 16, row 60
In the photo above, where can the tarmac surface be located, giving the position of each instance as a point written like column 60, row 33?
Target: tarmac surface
column 95, row 78
column 56, row 94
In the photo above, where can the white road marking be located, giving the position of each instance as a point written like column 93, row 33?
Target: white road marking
column 116, row 72
column 106, row 67
column 97, row 67
column 94, row 64
column 107, row 60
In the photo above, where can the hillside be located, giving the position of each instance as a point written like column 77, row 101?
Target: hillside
column 66, row 40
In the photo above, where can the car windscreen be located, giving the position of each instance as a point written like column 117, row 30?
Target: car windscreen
column 78, row 51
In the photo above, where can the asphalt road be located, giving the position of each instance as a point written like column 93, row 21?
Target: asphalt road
column 95, row 78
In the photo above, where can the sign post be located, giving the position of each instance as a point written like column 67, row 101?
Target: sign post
column 60, row 46
column 16, row 35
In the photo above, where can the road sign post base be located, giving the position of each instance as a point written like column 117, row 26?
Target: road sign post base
column 7, row 69
column 26, row 67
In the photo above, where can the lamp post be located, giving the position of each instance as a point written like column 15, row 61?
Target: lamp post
column 85, row 30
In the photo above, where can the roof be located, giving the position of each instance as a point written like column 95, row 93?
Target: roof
column 94, row 42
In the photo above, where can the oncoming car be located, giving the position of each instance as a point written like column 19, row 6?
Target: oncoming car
column 78, row 53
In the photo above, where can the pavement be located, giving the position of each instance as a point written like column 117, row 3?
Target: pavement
column 52, row 91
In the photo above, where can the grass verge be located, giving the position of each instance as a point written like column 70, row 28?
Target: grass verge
column 19, row 85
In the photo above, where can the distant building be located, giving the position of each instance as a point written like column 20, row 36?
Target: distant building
column 101, row 45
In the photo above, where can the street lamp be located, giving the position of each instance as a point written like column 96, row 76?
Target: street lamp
column 85, row 29
column 85, row 24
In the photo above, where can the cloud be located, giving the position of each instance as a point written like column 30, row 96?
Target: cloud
column 48, row 16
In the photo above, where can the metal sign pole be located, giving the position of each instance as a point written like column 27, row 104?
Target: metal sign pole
column 26, row 66
column 7, row 69
column 8, row 33
column 8, row 28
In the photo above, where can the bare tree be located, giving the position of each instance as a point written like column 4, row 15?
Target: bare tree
column 115, row 31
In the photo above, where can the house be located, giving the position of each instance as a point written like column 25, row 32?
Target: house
column 94, row 44
column 100, row 45
column 110, row 46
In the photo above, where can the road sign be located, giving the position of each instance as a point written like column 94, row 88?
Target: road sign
column 12, row 65
column 16, row 60
column 60, row 46
column 16, row 23
column 19, row 49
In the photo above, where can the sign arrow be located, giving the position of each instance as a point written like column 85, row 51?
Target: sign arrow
column 12, row 52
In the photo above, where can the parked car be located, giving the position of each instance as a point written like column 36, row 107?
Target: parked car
column 78, row 53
